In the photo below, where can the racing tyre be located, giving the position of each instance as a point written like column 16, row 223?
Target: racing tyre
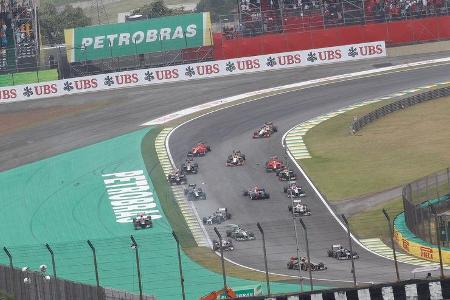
column 275, row 129
column 290, row 208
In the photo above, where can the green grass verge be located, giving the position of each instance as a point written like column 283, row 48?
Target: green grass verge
column 372, row 223
column 166, row 197
column 387, row 153
column 6, row 296
column 28, row 77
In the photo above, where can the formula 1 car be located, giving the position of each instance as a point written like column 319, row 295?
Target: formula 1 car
column 176, row 177
column 227, row 245
column 219, row 216
column 341, row 253
column 286, row 175
column 189, row 167
column 265, row 131
column 298, row 209
column 293, row 190
column 257, row 193
column 235, row 159
column 194, row 193
column 142, row 221
column 294, row 264
column 274, row 164
column 239, row 234
column 199, row 150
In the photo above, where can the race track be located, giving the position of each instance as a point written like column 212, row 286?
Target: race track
column 125, row 110
column 232, row 129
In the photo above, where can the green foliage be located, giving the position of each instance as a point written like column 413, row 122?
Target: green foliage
column 53, row 22
column 217, row 7
column 157, row 9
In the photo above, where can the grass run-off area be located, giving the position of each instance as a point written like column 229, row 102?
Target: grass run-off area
column 28, row 77
column 390, row 152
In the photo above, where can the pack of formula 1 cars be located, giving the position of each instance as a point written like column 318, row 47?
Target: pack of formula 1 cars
column 341, row 253
column 218, row 217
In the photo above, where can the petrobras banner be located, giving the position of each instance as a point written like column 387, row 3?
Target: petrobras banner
column 143, row 77
column 138, row 37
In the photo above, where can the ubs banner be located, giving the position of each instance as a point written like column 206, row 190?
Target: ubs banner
column 210, row 69
column 138, row 37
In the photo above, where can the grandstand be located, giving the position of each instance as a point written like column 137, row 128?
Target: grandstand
column 256, row 17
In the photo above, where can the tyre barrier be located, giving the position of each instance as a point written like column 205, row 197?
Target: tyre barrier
column 411, row 289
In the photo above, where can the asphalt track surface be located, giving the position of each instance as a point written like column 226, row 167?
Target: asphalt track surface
column 232, row 129
column 125, row 110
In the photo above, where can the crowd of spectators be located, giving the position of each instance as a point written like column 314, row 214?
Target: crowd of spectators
column 401, row 9
column 258, row 16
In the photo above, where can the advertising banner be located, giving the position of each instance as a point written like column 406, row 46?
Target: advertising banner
column 138, row 37
column 203, row 70
column 421, row 250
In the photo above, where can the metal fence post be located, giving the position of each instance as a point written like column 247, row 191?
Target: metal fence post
column 307, row 254
column 351, row 248
column 53, row 259
column 265, row 257
column 391, row 232
column 96, row 269
column 221, row 258
column 134, row 245
column 180, row 265
column 438, row 239
column 300, row 277
column 9, row 257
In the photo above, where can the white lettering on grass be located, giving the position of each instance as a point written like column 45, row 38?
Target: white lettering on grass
column 130, row 195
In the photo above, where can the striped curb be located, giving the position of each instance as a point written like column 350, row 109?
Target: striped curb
column 294, row 138
column 377, row 246
column 178, row 191
column 296, row 146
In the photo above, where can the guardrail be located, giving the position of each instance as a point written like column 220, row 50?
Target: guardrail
column 378, row 113
column 28, row 285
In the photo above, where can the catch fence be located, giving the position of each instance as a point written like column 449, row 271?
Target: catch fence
column 378, row 113
column 420, row 198
column 29, row 285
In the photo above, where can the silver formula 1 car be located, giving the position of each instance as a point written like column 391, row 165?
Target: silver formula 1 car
column 293, row 190
column 341, row 253
column 298, row 209
column 218, row 217
column 238, row 233
column 193, row 192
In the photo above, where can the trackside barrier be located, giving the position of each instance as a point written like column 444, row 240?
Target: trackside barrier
column 411, row 289
column 29, row 285
column 172, row 74
column 378, row 113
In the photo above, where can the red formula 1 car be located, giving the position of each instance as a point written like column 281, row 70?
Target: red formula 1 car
column 265, row 131
column 274, row 164
column 199, row 150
